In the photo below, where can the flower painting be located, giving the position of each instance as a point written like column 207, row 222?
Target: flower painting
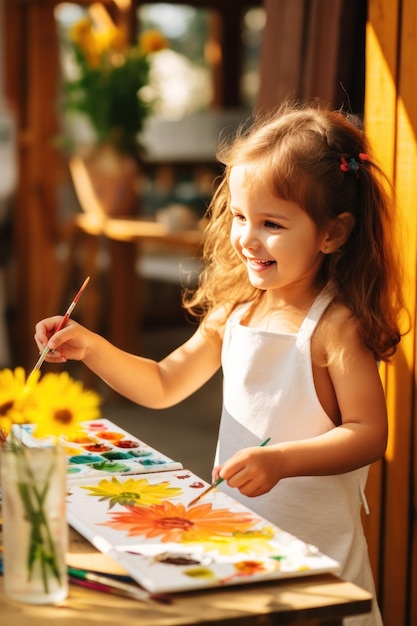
column 174, row 522
column 147, row 524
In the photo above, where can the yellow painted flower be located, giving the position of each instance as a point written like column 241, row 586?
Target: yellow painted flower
column 60, row 404
column 202, row 573
column 256, row 541
column 133, row 491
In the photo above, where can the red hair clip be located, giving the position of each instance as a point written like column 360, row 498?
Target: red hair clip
column 351, row 164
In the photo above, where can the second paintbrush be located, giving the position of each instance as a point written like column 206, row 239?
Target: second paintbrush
column 112, row 585
column 220, row 480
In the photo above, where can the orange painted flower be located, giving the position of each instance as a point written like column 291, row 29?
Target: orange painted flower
column 249, row 568
column 244, row 569
column 175, row 522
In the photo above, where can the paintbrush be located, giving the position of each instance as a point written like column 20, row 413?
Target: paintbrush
column 110, row 584
column 60, row 325
column 220, row 480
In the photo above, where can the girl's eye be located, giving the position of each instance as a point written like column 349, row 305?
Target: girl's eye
column 273, row 225
column 238, row 217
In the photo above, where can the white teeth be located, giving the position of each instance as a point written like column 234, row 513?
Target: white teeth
column 259, row 262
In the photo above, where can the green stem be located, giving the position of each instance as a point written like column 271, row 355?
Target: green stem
column 41, row 546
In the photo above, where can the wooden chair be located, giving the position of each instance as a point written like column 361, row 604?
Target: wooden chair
column 123, row 238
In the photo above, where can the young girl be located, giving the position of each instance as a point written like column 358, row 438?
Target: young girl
column 298, row 302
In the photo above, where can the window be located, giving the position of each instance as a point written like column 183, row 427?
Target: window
column 183, row 72
column 207, row 80
column 191, row 72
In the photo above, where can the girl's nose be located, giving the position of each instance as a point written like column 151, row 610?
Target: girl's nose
column 248, row 238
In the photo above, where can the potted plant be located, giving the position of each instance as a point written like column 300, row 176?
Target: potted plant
column 107, row 82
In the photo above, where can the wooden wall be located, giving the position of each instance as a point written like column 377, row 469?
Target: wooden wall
column 391, row 122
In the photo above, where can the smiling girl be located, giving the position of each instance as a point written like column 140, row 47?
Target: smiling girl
column 299, row 301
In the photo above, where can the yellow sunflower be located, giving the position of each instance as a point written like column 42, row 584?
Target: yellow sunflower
column 15, row 397
column 60, row 404
column 152, row 41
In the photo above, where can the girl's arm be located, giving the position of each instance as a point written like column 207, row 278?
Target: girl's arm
column 144, row 381
column 360, row 439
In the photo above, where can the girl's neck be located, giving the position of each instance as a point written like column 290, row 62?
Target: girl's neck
column 280, row 312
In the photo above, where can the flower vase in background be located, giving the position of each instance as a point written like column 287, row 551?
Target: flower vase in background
column 107, row 95
column 116, row 179
column 35, row 531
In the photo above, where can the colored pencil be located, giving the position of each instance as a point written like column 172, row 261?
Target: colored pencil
column 220, row 480
column 60, row 325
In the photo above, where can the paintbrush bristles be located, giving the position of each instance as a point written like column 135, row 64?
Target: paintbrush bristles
column 203, row 493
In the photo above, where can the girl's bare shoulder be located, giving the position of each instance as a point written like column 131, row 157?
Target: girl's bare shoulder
column 215, row 322
column 337, row 335
column 338, row 314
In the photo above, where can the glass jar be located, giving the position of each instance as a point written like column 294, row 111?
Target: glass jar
column 35, row 530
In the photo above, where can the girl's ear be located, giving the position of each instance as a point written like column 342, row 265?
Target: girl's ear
column 338, row 232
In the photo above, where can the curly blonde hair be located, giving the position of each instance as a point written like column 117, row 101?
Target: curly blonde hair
column 298, row 153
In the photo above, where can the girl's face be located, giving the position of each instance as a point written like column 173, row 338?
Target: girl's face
column 279, row 243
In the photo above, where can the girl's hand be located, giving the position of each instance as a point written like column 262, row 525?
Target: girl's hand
column 254, row 471
column 71, row 342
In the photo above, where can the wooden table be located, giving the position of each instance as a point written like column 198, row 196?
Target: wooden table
column 309, row 601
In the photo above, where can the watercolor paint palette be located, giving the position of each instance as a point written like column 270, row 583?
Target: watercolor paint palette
column 145, row 523
column 102, row 448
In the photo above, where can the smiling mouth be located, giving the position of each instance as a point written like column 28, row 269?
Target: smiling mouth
column 259, row 263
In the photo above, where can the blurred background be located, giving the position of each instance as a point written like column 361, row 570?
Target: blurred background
column 110, row 117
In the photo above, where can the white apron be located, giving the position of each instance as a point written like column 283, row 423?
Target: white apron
column 269, row 391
